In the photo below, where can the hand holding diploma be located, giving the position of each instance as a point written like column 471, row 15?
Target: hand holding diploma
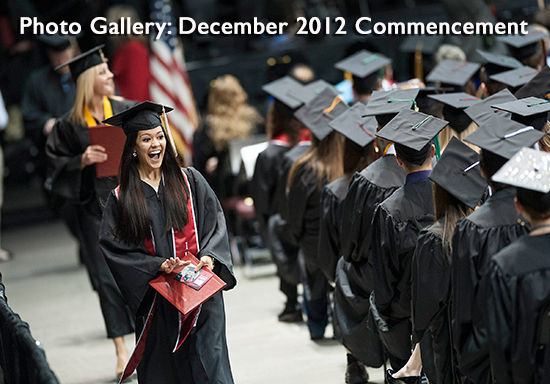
column 172, row 263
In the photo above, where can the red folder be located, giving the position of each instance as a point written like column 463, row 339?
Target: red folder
column 184, row 297
column 112, row 139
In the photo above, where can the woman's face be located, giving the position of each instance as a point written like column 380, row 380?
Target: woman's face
column 103, row 82
column 150, row 147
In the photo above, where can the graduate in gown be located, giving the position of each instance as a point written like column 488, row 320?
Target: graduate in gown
column 73, row 177
column 358, row 153
column 514, row 292
column 284, row 132
column 318, row 167
column 481, row 235
column 158, row 214
column 458, row 187
column 353, row 277
column 396, row 224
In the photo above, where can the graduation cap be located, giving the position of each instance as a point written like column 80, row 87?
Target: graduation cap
column 523, row 46
column 84, row 61
column 386, row 104
column 283, row 89
column 503, row 137
column 453, row 72
column 482, row 111
column 412, row 129
column 458, row 172
column 453, row 108
column 425, row 44
column 515, row 77
column 359, row 130
column 538, row 86
column 529, row 111
column 319, row 112
column 55, row 42
column 363, row 63
column 310, row 91
column 528, row 171
column 496, row 63
column 528, row 168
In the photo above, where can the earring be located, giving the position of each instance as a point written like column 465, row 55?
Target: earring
column 134, row 154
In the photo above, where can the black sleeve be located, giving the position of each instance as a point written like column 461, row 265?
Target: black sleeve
column 298, row 196
column 329, row 244
column 32, row 109
column 65, row 154
column 131, row 265
column 263, row 183
column 213, row 239
column 203, row 149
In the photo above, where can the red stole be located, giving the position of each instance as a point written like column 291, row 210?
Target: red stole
column 183, row 242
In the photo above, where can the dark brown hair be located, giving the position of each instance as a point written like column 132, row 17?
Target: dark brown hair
column 325, row 159
column 134, row 224
column 449, row 210
column 277, row 124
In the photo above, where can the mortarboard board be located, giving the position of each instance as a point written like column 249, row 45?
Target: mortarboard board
column 360, row 130
column 54, row 42
column 412, row 129
column 140, row 117
column 283, row 89
column 362, row 63
column 503, row 137
column 308, row 92
column 528, row 168
column 453, row 72
column 523, row 46
column 453, row 108
column 425, row 44
column 500, row 60
column 538, row 86
column 515, row 77
column 318, row 113
column 529, row 111
column 482, row 111
column 458, row 172
column 84, row 61
column 390, row 102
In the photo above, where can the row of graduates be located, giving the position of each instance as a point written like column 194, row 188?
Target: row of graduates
column 358, row 207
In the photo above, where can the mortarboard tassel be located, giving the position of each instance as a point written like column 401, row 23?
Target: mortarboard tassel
column 168, row 132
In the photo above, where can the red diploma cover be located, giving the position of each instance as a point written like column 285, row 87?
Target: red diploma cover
column 185, row 297
column 112, row 139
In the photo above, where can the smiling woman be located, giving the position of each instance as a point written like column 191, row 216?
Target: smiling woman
column 158, row 214
column 73, row 178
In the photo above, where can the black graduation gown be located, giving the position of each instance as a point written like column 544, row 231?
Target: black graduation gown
column 396, row 224
column 64, row 147
column 512, row 294
column 476, row 239
column 43, row 99
column 264, row 181
column 329, row 226
column 431, row 290
column 203, row 358
column 353, row 277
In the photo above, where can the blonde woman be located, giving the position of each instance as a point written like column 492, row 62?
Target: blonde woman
column 229, row 117
column 73, row 177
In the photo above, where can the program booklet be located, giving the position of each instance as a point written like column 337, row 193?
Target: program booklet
column 195, row 280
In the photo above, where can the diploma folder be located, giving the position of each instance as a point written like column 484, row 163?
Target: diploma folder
column 184, row 297
column 112, row 139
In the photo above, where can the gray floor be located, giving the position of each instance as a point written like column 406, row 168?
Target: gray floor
column 45, row 285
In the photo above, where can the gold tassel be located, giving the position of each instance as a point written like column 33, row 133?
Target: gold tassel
column 168, row 132
column 418, row 67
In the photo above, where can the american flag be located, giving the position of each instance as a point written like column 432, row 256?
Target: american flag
column 170, row 82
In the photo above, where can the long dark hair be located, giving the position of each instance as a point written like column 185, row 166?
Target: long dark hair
column 449, row 210
column 134, row 224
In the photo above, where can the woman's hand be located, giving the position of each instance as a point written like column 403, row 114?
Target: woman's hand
column 172, row 263
column 93, row 154
column 206, row 261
